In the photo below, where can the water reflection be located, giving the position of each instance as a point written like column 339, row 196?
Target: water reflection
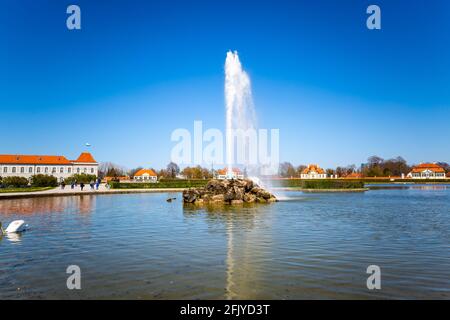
column 429, row 187
column 13, row 237
column 31, row 206
column 245, row 237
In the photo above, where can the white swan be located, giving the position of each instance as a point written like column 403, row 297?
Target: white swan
column 14, row 227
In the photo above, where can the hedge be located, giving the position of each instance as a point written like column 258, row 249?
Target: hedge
column 332, row 184
column 169, row 183
column 43, row 180
column 16, row 182
column 80, row 178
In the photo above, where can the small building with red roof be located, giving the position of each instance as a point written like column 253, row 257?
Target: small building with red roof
column 427, row 171
column 145, row 175
column 222, row 174
column 313, row 171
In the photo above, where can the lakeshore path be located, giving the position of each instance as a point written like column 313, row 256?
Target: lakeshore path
column 67, row 191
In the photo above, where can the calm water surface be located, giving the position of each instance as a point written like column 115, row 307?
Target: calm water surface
column 311, row 246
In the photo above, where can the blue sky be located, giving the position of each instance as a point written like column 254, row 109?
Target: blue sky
column 137, row 70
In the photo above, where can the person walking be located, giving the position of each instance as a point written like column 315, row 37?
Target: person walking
column 72, row 185
column 63, row 185
column 97, row 183
column 81, row 186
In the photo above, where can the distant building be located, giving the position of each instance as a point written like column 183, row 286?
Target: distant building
column 57, row 166
column 235, row 174
column 313, row 171
column 145, row 175
column 427, row 171
column 119, row 179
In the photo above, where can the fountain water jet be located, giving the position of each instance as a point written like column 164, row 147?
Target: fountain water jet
column 240, row 112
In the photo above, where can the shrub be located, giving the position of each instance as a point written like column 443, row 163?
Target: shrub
column 16, row 182
column 44, row 180
column 80, row 178
column 332, row 184
column 170, row 183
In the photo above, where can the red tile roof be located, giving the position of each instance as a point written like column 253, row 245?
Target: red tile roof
column 32, row 159
column 428, row 166
column 313, row 167
column 37, row 159
column 224, row 171
column 85, row 157
column 141, row 172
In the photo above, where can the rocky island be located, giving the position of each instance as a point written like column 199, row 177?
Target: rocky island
column 234, row 191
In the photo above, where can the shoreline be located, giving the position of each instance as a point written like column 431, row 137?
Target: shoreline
column 62, row 193
column 323, row 190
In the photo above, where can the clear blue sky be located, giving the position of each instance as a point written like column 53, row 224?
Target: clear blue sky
column 137, row 70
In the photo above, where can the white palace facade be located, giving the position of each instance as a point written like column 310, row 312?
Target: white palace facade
column 57, row 166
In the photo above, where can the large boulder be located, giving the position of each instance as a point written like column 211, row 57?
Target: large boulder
column 235, row 191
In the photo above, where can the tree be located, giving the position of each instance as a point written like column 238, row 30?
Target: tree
column 132, row 172
column 109, row 169
column 341, row 171
column 286, row 170
column 444, row 165
column 173, row 169
column 375, row 161
column 300, row 169
column 330, row 172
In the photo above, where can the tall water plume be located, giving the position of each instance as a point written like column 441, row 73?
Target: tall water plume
column 240, row 112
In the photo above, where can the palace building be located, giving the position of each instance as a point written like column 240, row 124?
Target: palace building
column 57, row 166
column 427, row 171
column 145, row 175
column 313, row 171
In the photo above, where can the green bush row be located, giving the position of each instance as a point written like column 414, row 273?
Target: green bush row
column 43, row 180
column 80, row 178
column 39, row 180
column 298, row 183
column 161, row 184
column 331, row 184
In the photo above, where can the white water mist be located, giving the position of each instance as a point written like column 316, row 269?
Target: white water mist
column 240, row 112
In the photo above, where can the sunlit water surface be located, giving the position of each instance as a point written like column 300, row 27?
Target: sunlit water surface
column 312, row 246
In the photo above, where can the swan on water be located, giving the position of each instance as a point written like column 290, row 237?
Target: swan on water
column 14, row 227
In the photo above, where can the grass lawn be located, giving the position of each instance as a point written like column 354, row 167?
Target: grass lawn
column 31, row 189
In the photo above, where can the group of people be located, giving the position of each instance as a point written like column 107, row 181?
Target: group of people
column 93, row 184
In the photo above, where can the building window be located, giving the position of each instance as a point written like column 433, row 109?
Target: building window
column 54, row 170
column 22, row 170
column 30, row 170
column 46, row 170
column 92, row 170
column 5, row 169
column 69, row 170
column 78, row 170
column 85, row 170
column 38, row 169
column 13, row 169
column 61, row 170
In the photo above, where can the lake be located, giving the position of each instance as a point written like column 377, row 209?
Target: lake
column 310, row 246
